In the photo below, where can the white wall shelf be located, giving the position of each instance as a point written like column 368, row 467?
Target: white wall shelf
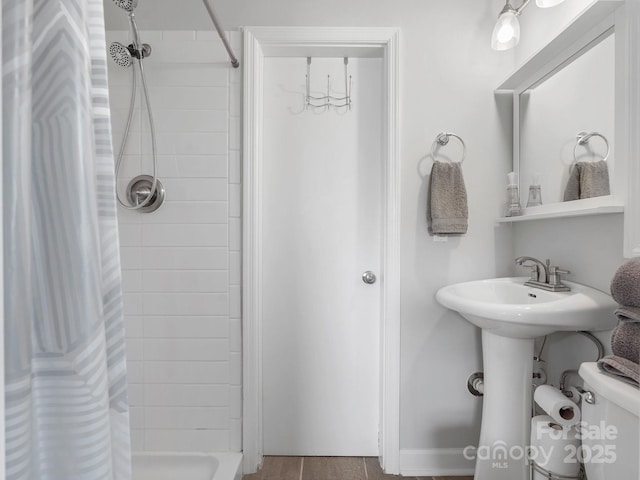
column 564, row 210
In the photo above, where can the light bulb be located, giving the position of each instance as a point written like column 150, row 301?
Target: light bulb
column 506, row 33
column 548, row 3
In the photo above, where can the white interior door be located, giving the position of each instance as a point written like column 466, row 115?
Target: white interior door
column 321, row 231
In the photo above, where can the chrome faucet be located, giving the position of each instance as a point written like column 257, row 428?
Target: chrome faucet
column 539, row 272
column 544, row 275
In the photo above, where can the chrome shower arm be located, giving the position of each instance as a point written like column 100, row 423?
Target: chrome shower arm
column 234, row 61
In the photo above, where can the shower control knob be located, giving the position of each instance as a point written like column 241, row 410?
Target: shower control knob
column 369, row 277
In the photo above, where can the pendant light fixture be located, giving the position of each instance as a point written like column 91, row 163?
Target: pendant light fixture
column 548, row 3
column 506, row 33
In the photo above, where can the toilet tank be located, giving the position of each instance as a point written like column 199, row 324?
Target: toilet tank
column 610, row 428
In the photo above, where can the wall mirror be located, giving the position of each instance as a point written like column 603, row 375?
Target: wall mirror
column 579, row 97
column 573, row 84
column 591, row 30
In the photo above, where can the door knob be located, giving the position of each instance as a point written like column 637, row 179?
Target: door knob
column 369, row 277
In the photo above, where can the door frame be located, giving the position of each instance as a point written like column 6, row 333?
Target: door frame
column 2, row 367
column 261, row 42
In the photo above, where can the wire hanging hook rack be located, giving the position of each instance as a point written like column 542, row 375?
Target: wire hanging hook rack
column 328, row 100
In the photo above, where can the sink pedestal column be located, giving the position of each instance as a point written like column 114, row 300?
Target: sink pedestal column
column 506, row 408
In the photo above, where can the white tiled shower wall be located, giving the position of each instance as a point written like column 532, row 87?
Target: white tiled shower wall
column 181, row 265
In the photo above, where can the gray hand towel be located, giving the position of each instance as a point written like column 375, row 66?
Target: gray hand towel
column 625, row 289
column 587, row 180
column 572, row 190
column 621, row 368
column 625, row 341
column 447, row 211
column 594, row 179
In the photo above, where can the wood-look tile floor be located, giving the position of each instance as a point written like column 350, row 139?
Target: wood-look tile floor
column 328, row 468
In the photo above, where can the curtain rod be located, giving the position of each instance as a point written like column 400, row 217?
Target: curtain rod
column 234, row 61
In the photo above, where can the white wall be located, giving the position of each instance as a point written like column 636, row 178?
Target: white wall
column 448, row 73
column 181, row 264
column 589, row 247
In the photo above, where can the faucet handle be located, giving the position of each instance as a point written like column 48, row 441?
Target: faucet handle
column 556, row 269
column 554, row 275
column 535, row 272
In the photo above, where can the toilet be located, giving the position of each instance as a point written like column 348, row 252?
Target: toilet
column 610, row 426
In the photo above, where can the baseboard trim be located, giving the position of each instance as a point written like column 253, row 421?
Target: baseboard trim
column 435, row 462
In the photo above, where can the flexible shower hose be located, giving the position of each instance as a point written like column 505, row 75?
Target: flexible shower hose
column 123, row 145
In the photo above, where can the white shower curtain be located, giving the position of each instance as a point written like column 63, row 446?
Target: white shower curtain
column 65, row 384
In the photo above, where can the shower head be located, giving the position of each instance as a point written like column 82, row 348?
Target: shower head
column 120, row 54
column 127, row 5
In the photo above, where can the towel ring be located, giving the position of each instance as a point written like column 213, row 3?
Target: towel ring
column 442, row 139
column 583, row 138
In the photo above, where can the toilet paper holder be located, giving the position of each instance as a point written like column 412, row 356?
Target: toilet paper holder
column 587, row 396
column 556, row 476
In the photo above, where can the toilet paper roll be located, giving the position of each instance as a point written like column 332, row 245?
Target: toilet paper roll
column 555, row 404
column 553, row 447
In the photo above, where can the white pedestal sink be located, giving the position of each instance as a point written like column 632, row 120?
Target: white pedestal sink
column 511, row 315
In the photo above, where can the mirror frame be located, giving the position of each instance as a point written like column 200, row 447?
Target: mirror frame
column 524, row 164
column 587, row 29
column 628, row 119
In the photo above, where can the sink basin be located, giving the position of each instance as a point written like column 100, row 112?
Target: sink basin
column 505, row 306
column 511, row 315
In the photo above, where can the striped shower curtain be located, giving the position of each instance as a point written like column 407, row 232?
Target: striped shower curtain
column 65, row 380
